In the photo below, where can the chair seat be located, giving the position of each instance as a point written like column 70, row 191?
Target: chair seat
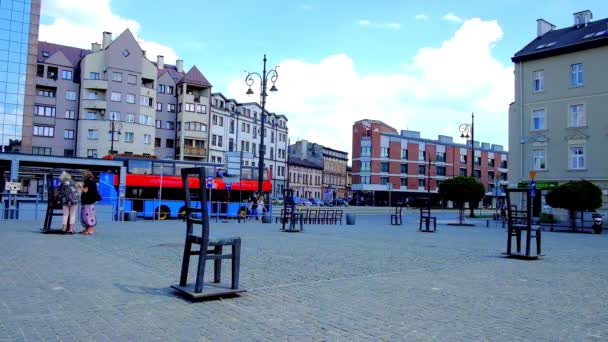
column 217, row 240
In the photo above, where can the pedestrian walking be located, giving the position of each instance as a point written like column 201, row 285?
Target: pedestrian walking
column 70, row 197
column 90, row 196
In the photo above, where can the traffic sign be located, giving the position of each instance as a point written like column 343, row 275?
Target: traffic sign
column 209, row 182
column 532, row 188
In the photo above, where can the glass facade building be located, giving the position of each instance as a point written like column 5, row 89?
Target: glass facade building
column 19, row 20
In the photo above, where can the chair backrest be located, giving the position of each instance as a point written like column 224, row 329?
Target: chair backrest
column 398, row 210
column 199, row 194
column 425, row 211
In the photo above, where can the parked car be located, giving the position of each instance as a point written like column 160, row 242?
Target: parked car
column 316, row 201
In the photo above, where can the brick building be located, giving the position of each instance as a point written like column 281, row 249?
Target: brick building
column 391, row 166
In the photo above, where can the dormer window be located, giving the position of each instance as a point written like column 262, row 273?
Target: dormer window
column 45, row 53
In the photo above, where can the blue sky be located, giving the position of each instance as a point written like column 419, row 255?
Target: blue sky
column 422, row 65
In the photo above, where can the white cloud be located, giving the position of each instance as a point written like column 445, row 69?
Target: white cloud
column 79, row 23
column 452, row 17
column 436, row 91
column 367, row 23
column 422, row 17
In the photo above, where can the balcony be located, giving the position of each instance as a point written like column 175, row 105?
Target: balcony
column 94, row 104
column 149, row 92
column 193, row 151
column 88, row 83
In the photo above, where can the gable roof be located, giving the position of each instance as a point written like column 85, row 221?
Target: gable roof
column 194, row 76
column 73, row 54
column 304, row 163
column 565, row 40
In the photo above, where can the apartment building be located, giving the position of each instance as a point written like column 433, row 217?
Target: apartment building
column 19, row 22
column 558, row 125
column 235, row 127
column 333, row 162
column 112, row 99
column 391, row 167
column 305, row 178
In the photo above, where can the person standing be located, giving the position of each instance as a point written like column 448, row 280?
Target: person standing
column 260, row 207
column 69, row 200
column 90, row 195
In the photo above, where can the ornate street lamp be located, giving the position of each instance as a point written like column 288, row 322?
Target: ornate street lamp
column 114, row 129
column 250, row 80
column 465, row 129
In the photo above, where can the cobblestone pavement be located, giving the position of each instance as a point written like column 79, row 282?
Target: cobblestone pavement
column 371, row 281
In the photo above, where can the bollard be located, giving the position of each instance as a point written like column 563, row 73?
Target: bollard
column 350, row 219
column 487, row 223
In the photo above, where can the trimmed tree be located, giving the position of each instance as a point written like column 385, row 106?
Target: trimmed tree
column 461, row 190
column 575, row 196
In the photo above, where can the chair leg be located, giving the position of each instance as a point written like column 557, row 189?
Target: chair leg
column 538, row 242
column 217, row 265
column 236, row 263
column 200, row 274
column 183, row 279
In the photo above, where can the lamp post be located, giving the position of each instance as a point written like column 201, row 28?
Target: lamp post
column 114, row 129
column 465, row 129
column 250, row 80
column 428, row 186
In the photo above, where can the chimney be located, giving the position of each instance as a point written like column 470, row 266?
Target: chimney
column 543, row 26
column 143, row 53
column 107, row 39
column 179, row 64
column 95, row 47
column 160, row 62
column 582, row 18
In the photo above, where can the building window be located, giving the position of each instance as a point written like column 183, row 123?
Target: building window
column 116, row 96
column 170, row 108
column 91, row 116
column 195, row 126
column 70, row 95
column 92, row 153
column 421, row 155
column 68, row 153
column 477, row 161
column 477, row 174
column 159, row 124
column 384, row 152
column 159, row 106
column 145, row 120
column 125, row 53
column 130, row 117
column 538, row 119
column 51, row 72
column 190, row 107
column 539, row 80
column 383, row 180
column 66, row 74
column 45, row 92
column 440, row 157
column 490, row 162
column 68, row 134
column 169, row 125
column 576, row 75
column 214, row 140
column 577, row 157
column 44, row 111
column 538, row 159
column 404, row 154
column 94, row 75
column 145, row 101
column 129, row 137
column 201, row 108
column 490, row 175
column 115, row 116
column 463, row 172
column 157, row 142
column 92, row 134
column 421, row 169
column 70, row 115
column 383, row 167
column 44, row 151
column 403, row 181
column 40, row 70
column 220, row 144
column 169, row 89
column 161, row 88
column 440, row 170
column 44, row 131
column 130, row 98
column 147, row 139
column 170, row 143
column 577, row 116
column 132, row 79
column 403, row 168
column 365, row 166
column 463, row 159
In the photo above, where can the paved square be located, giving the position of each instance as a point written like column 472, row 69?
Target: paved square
column 371, row 281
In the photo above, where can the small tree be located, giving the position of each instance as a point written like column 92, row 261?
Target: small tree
column 575, row 196
column 460, row 190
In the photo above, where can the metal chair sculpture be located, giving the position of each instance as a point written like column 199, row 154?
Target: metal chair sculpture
column 197, row 213
column 426, row 219
column 520, row 222
column 289, row 214
column 396, row 218
column 53, row 208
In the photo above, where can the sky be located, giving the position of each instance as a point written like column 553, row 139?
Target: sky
column 417, row 65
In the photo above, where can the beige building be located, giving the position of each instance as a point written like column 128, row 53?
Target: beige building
column 305, row 178
column 558, row 124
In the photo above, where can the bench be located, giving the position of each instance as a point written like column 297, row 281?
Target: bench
column 396, row 219
column 426, row 218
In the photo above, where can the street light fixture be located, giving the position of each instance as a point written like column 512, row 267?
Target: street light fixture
column 114, row 129
column 465, row 129
column 250, row 80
